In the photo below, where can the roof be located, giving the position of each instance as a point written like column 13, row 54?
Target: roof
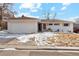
column 54, row 20
column 20, row 18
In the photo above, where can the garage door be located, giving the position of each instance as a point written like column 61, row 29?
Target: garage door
column 22, row 27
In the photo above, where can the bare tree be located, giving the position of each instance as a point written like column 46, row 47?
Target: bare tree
column 6, row 10
column 48, row 15
column 54, row 16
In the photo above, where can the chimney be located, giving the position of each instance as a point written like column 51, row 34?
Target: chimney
column 23, row 16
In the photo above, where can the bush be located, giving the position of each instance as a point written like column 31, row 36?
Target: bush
column 50, row 30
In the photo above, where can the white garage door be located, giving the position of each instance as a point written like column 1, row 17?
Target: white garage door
column 22, row 27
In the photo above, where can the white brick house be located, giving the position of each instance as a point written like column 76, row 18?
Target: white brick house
column 33, row 25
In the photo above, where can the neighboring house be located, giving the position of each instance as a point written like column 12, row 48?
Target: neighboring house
column 76, row 25
column 33, row 25
column 56, row 25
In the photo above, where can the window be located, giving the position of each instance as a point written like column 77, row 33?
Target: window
column 56, row 24
column 50, row 24
column 66, row 24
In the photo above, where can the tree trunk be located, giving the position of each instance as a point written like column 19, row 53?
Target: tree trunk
column 0, row 18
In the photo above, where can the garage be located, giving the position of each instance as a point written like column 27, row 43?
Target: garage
column 22, row 25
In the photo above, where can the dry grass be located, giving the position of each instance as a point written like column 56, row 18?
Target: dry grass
column 65, row 40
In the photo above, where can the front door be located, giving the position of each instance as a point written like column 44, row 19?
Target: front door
column 44, row 26
column 39, row 27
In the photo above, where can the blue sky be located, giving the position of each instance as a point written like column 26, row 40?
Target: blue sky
column 62, row 10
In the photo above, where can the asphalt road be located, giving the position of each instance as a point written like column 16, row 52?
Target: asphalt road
column 38, row 53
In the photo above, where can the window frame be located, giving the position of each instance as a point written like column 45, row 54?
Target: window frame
column 56, row 24
column 66, row 24
column 50, row 24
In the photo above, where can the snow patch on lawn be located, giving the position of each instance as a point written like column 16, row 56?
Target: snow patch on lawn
column 39, row 38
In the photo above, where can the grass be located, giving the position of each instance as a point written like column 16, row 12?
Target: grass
column 65, row 40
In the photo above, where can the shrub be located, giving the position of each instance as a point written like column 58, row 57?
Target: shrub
column 49, row 29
